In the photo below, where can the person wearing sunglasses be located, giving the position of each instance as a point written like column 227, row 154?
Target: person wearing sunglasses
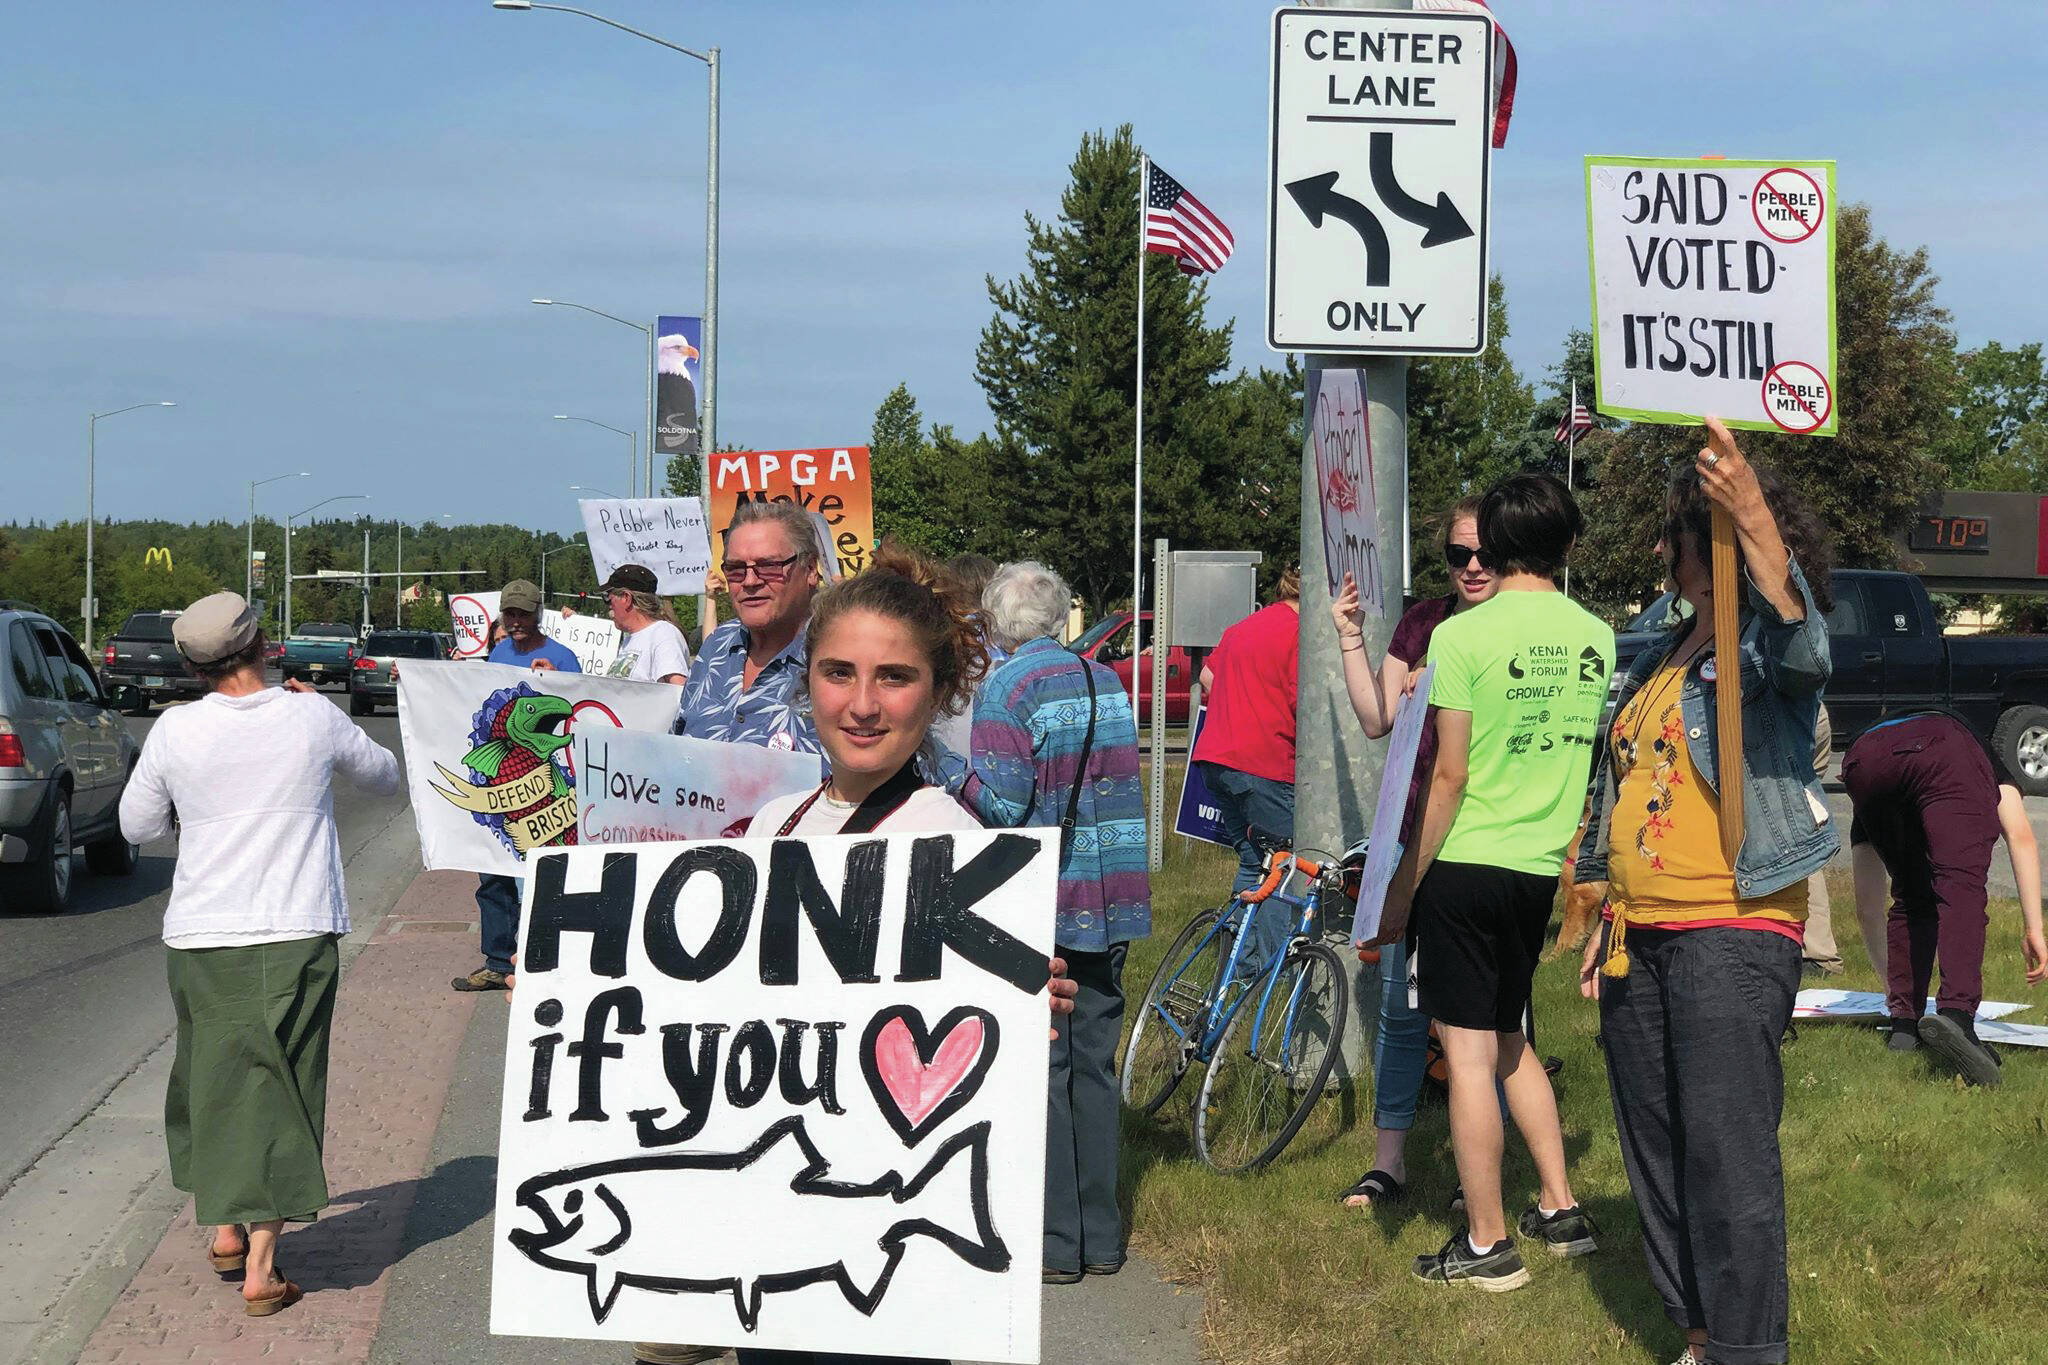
column 1401, row 1046
column 745, row 685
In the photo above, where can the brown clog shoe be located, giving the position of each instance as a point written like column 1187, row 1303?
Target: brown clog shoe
column 264, row 1305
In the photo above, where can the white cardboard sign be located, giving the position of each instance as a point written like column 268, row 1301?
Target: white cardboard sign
column 593, row 639
column 1344, row 483
column 1383, row 849
column 787, row 1094
column 634, row 786
column 667, row 535
column 1714, row 291
column 490, row 754
column 1376, row 206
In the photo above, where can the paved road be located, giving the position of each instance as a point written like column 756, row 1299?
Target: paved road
column 85, row 1013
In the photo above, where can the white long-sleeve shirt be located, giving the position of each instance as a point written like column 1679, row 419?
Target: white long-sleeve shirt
column 251, row 780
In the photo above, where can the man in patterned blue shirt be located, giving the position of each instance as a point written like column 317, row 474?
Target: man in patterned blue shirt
column 745, row 686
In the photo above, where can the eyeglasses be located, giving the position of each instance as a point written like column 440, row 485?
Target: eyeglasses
column 767, row 570
column 1458, row 556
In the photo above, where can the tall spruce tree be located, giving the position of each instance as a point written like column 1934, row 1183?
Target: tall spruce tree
column 910, row 487
column 1057, row 363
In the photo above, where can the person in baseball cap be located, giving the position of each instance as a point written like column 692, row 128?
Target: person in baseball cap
column 652, row 647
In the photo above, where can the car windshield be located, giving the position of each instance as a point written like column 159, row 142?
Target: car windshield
column 1093, row 635
column 401, row 647
column 148, row 625
column 1657, row 614
column 327, row 629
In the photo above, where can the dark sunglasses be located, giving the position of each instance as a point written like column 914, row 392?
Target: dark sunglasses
column 1458, row 556
column 767, row 570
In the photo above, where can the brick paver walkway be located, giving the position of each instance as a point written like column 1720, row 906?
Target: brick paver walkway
column 397, row 1028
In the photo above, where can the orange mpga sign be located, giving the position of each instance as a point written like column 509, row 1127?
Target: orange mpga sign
column 829, row 480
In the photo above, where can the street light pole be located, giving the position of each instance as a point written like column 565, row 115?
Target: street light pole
column 398, row 586
column 544, row 554
column 632, row 442
column 89, row 608
column 285, row 627
column 249, row 554
column 653, row 342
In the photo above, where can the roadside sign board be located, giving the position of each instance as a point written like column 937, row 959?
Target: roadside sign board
column 1714, row 291
column 1376, row 202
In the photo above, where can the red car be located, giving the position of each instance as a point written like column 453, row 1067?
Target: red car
column 1108, row 641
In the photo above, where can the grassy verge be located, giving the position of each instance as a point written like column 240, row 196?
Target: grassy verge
column 1915, row 1205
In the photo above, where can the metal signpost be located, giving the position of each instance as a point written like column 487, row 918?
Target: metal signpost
column 1377, row 215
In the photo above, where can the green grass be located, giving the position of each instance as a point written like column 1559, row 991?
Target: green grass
column 1915, row 1204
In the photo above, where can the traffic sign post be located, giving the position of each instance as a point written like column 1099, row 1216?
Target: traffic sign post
column 1378, row 182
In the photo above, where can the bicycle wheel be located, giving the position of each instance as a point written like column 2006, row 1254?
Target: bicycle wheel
column 1269, row 1071
column 1175, row 1012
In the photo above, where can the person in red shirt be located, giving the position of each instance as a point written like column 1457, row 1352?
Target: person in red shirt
column 1246, row 752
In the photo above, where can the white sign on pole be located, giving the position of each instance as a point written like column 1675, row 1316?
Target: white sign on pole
column 1344, row 484
column 1377, row 203
column 780, row 1093
column 1383, row 850
column 490, row 762
column 636, row 786
column 1714, row 291
column 667, row 535
column 594, row 640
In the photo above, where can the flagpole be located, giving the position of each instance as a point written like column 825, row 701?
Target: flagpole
column 1571, row 450
column 1138, row 453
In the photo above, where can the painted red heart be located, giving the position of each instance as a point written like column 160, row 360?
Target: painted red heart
column 922, row 1076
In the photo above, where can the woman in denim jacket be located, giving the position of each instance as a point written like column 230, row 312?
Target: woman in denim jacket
column 1699, row 965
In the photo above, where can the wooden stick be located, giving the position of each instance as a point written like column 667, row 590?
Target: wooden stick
column 1728, row 683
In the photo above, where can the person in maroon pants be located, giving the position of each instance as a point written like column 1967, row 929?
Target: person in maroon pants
column 1930, row 801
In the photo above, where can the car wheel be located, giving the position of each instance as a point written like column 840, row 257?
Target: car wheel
column 112, row 856
column 43, row 885
column 2021, row 740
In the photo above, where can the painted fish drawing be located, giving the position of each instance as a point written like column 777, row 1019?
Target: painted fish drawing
column 615, row 1222
column 518, row 789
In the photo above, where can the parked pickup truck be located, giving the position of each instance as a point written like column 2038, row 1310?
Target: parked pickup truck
column 319, row 652
column 142, row 655
column 1890, row 656
column 1108, row 642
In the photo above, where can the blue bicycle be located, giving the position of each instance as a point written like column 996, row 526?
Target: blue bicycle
column 1269, row 1038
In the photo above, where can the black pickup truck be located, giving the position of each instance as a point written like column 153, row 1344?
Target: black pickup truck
column 1890, row 656
column 142, row 655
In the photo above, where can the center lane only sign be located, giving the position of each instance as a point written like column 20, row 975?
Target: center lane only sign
column 1377, row 197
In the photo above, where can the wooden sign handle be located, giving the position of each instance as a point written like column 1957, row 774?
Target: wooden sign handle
column 1728, row 683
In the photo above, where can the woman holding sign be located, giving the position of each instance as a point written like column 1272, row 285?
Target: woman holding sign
column 889, row 653
column 1699, row 965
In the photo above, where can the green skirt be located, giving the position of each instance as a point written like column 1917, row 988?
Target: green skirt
column 246, row 1112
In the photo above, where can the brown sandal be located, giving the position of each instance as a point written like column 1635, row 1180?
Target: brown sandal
column 267, row 1304
column 229, row 1261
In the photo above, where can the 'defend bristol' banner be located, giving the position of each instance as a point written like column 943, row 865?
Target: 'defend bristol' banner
column 830, row 482
column 489, row 764
column 677, row 406
column 786, row 1094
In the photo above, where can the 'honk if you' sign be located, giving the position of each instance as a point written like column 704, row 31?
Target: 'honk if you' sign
column 781, row 1093
column 1714, row 291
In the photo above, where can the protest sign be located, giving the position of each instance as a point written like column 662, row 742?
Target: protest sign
column 1839, row 1004
column 634, row 787
column 1198, row 816
column 786, row 1094
column 489, row 765
column 1344, row 483
column 666, row 535
column 829, row 481
column 1383, row 846
column 1714, row 291
column 593, row 639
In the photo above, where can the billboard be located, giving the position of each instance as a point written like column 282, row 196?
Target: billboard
column 678, row 409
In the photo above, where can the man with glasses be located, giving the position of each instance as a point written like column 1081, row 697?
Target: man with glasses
column 744, row 686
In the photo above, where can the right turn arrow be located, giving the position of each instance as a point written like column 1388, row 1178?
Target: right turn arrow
column 1442, row 221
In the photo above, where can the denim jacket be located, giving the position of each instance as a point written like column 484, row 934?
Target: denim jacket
column 1786, row 834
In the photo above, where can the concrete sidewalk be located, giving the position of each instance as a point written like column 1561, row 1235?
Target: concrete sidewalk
column 398, row 1268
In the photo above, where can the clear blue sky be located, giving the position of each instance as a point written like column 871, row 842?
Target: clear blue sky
column 316, row 226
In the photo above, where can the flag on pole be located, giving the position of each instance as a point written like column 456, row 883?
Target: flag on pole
column 1178, row 225
column 1577, row 421
column 1503, row 64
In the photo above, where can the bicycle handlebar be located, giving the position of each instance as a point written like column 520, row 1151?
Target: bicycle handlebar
column 1279, row 865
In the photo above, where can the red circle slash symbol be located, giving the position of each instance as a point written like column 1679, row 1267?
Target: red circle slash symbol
column 470, row 637
column 1788, row 209
column 1797, row 397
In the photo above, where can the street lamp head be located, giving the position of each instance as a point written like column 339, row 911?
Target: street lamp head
column 511, row 4
column 542, row 302
column 561, row 417
column 166, row 405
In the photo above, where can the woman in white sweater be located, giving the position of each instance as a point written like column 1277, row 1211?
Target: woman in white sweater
column 245, row 776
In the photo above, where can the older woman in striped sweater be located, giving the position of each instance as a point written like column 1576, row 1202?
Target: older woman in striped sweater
column 1055, row 745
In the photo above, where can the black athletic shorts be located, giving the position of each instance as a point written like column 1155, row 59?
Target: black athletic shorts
column 1478, row 933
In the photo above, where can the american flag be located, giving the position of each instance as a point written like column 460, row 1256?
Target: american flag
column 1177, row 225
column 1503, row 64
column 1577, row 421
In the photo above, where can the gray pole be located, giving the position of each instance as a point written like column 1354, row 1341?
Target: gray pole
column 85, row 608
column 249, row 550
column 398, row 584
column 708, row 436
column 285, row 626
column 653, row 442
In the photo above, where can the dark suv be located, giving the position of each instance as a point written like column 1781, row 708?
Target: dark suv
column 142, row 654
column 374, row 676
